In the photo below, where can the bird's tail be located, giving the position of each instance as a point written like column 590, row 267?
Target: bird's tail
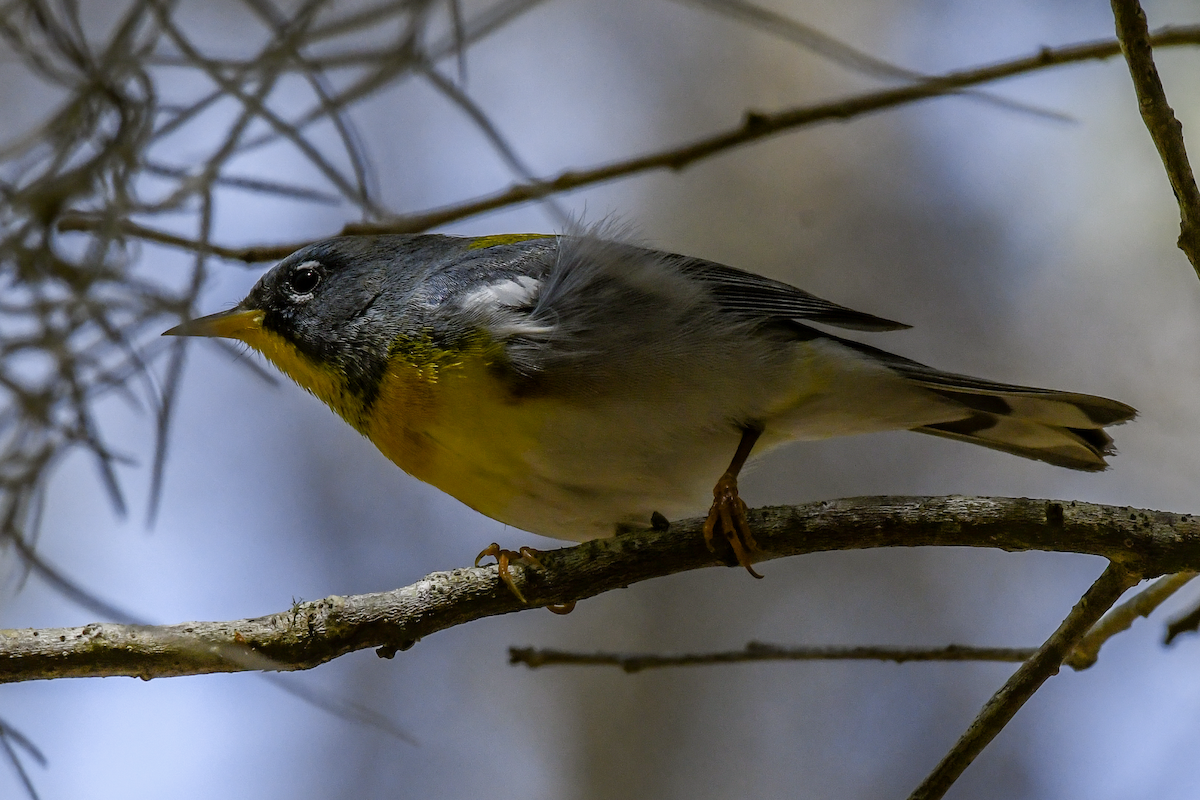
column 1061, row 428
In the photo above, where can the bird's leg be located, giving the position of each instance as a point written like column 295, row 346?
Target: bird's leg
column 527, row 556
column 728, row 512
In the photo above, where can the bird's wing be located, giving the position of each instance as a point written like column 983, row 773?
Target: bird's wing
column 752, row 295
column 591, row 316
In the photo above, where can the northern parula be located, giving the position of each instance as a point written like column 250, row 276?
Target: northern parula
column 574, row 386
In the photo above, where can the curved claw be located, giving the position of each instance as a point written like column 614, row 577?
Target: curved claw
column 492, row 550
column 728, row 515
column 526, row 555
column 503, row 559
column 529, row 555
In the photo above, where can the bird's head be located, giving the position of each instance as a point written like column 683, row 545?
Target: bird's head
column 327, row 315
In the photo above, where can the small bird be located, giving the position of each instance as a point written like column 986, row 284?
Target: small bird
column 576, row 386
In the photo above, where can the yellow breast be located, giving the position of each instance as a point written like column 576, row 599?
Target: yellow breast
column 443, row 416
column 449, row 420
column 329, row 385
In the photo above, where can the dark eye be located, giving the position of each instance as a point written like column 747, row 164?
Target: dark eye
column 303, row 279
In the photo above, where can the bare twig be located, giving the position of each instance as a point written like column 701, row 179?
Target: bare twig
column 364, row 176
column 760, row 125
column 249, row 255
column 838, row 52
column 755, row 126
column 1144, row 542
column 12, row 740
column 69, row 588
column 1165, row 129
column 1026, row 680
column 756, row 651
column 499, row 142
column 1187, row 622
column 1085, row 654
column 1123, row 616
column 257, row 185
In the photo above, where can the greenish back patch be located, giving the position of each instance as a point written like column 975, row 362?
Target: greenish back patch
column 483, row 242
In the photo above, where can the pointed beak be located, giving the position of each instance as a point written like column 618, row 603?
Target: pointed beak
column 236, row 323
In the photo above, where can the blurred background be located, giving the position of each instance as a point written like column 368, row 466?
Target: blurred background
column 1020, row 247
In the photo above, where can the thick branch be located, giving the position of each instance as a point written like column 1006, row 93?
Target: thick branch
column 1149, row 543
column 755, row 126
column 1045, row 663
column 1165, row 129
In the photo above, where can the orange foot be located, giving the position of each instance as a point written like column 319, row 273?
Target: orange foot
column 728, row 516
column 526, row 556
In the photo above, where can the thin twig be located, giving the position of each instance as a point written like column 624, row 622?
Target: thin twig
column 1085, row 654
column 393, row 63
column 364, row 176
column 756, row 651
column 259, row 185
column 249, row 255
column 1165, row 129
column 1107, row 589
column 1144, row 542
column 755, row 126
column 1188, row 622
column 838, row 52
column 504, row 148
column 760, row 125
column 1123, row 616
column 9, row 736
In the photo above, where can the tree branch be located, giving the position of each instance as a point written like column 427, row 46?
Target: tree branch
column 999, row 710
column 1165, row 129
column 1149, row 543
column 1188, row 622
column 1085, row 654
column 755, row 126
column 533, row 657
column 1123, row 616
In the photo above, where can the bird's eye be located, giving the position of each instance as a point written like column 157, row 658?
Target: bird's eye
column 303, row 279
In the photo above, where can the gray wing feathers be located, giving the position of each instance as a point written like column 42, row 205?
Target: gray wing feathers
column 753, row 295
column 611, row 317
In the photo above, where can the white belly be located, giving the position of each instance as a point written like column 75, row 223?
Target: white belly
column 616, row 461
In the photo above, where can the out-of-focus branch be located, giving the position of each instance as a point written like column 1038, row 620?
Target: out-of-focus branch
column 838, row 52
column 755, row 126
column 1085, row 654
column 132, row 230
column 1166, row 131
column 1123, row 616
column 1188, row 622
column 533, row 657
column 760, row 125
column 1143, row 542
column 1045, row 663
